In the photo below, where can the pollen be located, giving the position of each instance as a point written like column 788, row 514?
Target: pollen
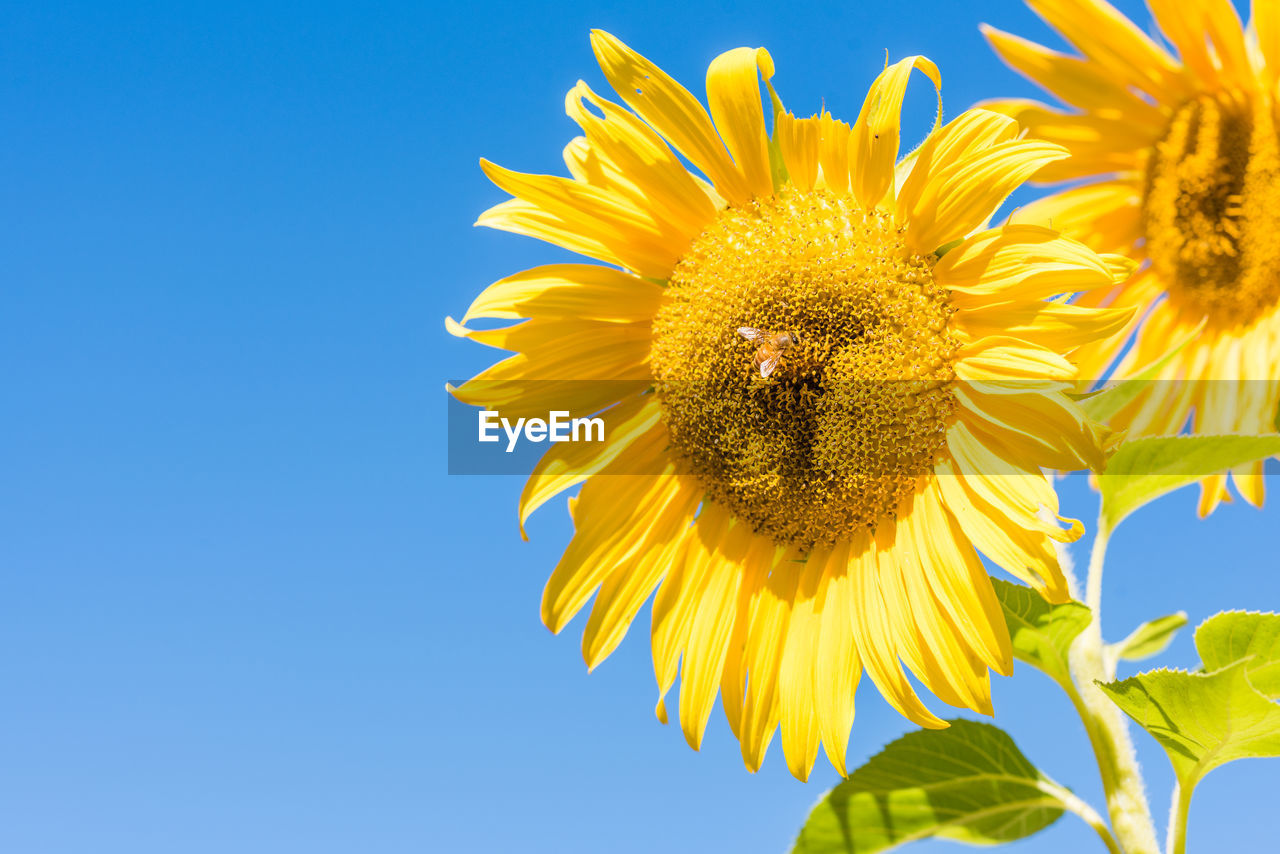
column 856, row 411
column 1212, row 208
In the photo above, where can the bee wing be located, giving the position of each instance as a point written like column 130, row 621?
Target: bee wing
column 751, row 333
column 769, row 363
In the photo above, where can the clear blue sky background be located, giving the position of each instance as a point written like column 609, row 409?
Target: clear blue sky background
column 242, row 607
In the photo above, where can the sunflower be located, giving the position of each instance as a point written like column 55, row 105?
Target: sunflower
column 803, row 527
column 1183, row 169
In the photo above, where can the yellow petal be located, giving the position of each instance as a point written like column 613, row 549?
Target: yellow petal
column 904, row 634
column 1166, row 404
column 635, row 161
column 672, row 111
column 672, row 614
column 1021, row 493
column 799, row 141
column 1209, row 39
column 878, row 632
column 938, row 655
column 1105, row 216
column 733, row 93
column 1222, row 23
column 959, row 581
column 521, row 217
column 1056, row 326
column 833, row 153
column 971, row 131
column 551, row 339
column 723, row 549
column 1136, row 295
column 1113, row 41
column 837, row 668
column 1266, row 22
column 607, row 217
column 1001, row 358
column 567, row 464
column 558, row 358
column 874, row 141
column 1020, row 262
column 769, row 613
column 756, row 566
column 1027, row 555
column 1107, row 144
column 800, row 733
column 1083, row 164
column 625, row 590
column 608, row 513
column 1078, row 82
column 962, row 196
column 1043, row 425
column 1213, row 491
column 582, row 291
column 1251, row 482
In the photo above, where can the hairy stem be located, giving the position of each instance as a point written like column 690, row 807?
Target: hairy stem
column 1087, row 813
column 1177, row 840
column 1106, row 725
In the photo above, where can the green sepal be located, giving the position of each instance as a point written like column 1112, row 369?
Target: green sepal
column 947, row 247
column 777, row 166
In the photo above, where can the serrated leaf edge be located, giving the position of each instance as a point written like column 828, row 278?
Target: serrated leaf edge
column 1196, row 772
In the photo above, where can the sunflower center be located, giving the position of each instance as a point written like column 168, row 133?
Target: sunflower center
column 858, row 404
column 1212, row 208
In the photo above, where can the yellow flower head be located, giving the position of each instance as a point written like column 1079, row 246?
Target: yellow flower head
column 825, row 384
column 1185, row 168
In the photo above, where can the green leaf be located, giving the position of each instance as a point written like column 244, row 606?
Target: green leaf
column 1149, row 639
column 1244, row 636
column 1202, row 720
column 1142, row 470
column 967, row 783
column 1102, row 405
column 1041, row 633
column 1207, row 719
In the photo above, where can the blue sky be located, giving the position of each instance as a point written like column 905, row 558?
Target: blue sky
column 242, row 607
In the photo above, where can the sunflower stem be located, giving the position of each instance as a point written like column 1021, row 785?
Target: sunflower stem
column 1177, row 840
column 1087, row 813
column 1105, row 724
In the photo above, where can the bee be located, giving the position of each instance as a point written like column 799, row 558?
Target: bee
column 772, row 346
